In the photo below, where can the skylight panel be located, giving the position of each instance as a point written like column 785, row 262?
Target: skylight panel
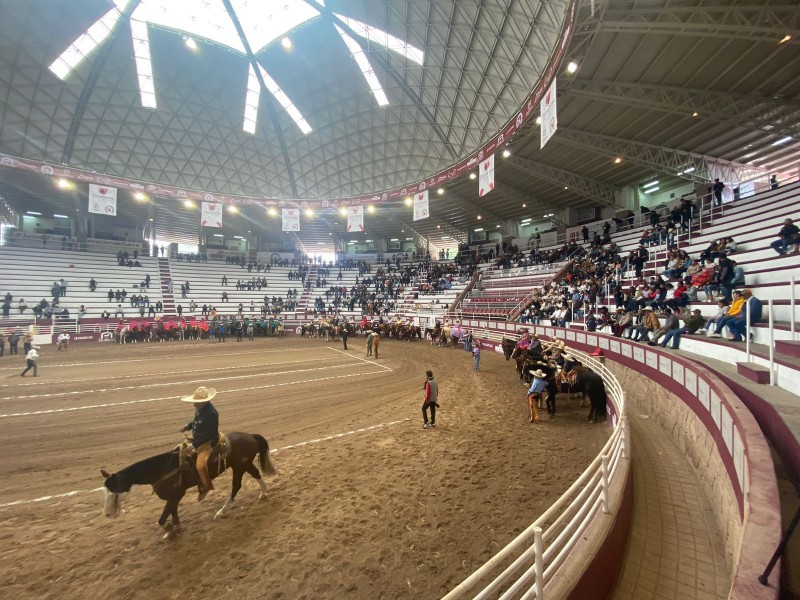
column 265, row 21
column 378, row 36
column 284, row 101
column 206, row 19
column 366, row 68
column 144, row 66
column 94, row 36
column 251, row 101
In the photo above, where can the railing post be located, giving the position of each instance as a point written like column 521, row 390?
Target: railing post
column 626, row 438
column 604, row 488
column 791, row 310
column 538, row 553
column 747, row 330
column 771, row 346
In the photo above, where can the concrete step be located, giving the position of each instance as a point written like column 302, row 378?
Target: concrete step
column 754, row 372
column 788, row 347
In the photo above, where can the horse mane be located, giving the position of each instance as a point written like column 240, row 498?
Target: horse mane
column 149, row 470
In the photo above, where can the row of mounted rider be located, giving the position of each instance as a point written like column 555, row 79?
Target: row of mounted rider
column 563, row 372
column 165, row 330
column 333, row 328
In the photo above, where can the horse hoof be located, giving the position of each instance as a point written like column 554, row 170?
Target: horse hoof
column 220, row 515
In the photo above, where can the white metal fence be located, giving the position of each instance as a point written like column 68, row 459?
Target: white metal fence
column 534, row 557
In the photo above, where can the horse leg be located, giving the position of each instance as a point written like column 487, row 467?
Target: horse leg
column 236, row 485
column 174, row 526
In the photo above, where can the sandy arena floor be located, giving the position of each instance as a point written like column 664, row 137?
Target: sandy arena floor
column 366, row 504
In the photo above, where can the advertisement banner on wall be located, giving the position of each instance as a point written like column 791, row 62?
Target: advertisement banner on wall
column 211, row 215
column 103, row 200
column 355, row 218
column 291, row 219
column 548, row 110
column 486, row 177
column 421, row 206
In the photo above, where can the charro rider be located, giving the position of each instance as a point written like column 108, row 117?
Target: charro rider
column 205, row 434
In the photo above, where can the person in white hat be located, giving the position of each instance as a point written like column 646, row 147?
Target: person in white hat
column 205, row 434
column 31, row 357
column 538, row 385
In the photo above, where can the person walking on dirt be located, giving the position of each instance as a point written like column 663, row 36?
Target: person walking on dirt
column 431, row 389
column 376, row 341
column 31, row 360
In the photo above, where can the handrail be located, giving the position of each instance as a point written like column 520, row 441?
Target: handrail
column 565, row 521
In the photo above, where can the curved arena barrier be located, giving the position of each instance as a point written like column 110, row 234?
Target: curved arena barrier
column 720, row 436
column 533, row 565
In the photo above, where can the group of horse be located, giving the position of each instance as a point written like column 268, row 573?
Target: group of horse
column 564, row 373
column 330, row 329
column 161, row 331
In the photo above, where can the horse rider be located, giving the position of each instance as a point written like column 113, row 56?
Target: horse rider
column 538, row 385
column 205, row 434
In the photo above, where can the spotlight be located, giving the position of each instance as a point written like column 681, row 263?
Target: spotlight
column 572, row 67
column 506, row 153
column 408, row 200
column 309, row 212
column 617, row 160
column 472, row 175
column 440, row 191
column 64, row 184
column 539, row 120
column 187, row 203
column 233, row 210
column 272, row 212
column 370, row 209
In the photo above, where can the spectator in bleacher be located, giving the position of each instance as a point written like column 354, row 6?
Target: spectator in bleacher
column 81, row 313
column 630, row 218
column 63, row 287
column 692, row 324
column 671, row 323
column 224, row 281
column 773, row 182
column 6, row 309
column 738, row 325
column 110, row 296
column 105, row 315
column 119, row 312
column 787, row 236
column 179, row 310
column 92, row 285
column 649, row 324
column 717, row 189
column 734, row 312
column 585, row 234
column 224, row 296
column 183, row 291
column 722, row 310
column 726, row 276
column 13, row 341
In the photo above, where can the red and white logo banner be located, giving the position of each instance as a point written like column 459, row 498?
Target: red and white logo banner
column 211, row 215
column 291, row 219
column 421, row 206
column 486, row 176
column 547, row 109
column 355, row 218
column 103, row 200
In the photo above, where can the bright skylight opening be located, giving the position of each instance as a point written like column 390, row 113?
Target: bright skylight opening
column 284, row 101
column 378, row 36
column 94, row 36
column 144, row 66
column 366, row 68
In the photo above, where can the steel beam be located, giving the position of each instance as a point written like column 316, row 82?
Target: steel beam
column 763, row 23
column 780, row 117
column 680, row 163
column 592, row 189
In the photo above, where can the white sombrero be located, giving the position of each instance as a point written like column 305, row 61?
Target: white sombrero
column 537, row 373
column 201, row 394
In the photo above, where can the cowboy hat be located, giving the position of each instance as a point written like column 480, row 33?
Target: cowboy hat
column 568, row 356
column 201, row 394
column 648, row 308
column 537, row 373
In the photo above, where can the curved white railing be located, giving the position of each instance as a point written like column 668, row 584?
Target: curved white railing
column 537, row 553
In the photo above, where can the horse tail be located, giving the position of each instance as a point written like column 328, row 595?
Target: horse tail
column 263, row 450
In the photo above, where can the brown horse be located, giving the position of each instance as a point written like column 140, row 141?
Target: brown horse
column 171, row 476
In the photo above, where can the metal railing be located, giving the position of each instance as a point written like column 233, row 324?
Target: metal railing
column 538, row 553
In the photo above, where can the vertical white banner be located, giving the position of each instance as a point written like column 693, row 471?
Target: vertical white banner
column 486, row 176
column 102, row 200
column 421, row 205
column 355, row 218
column 291, row 219
column 211, row 214
column 547, row 109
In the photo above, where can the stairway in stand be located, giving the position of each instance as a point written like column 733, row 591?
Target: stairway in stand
column 311, row 277
column 165, row 275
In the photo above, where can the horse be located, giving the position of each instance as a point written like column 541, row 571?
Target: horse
column 592, row 385
column 171, row 476
column 508, row 346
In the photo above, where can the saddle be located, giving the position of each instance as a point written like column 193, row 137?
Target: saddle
column 219, row 452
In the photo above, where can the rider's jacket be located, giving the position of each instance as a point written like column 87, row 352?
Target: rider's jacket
column 205, row 426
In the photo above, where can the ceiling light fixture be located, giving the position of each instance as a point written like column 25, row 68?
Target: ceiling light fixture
column 572, row 67
column 60, row 217
column 524, row 206
column 141, row 197
column 782, row 141
column 785, row 39
column 188, row 204
column 479, row 217
column 309, row 212
column 617, row 160
column 407, row 201
column 272, row 212
column 650, row 183
column 478, row 229
column 651, row 190
column 539, row 120
column 370, row 209
column 472, row 175
column 233, row 210
column 190, row 44
column 34, row 213
column 440, row 191
column 64, row 184
column 695, row 114
column 286, row 43
column 506, row 153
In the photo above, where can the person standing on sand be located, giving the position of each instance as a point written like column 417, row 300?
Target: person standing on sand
column 476, row 358
column 376, row 340
column 31, row 357
column 431, row 389
column 369, row 343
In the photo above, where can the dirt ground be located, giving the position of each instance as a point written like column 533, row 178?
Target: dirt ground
column 366, row 503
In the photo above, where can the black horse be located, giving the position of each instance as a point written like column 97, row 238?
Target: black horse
column 592, row 385
column 171, row 476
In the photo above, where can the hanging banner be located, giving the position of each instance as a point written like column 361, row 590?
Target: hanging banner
column 211, row 215
column 103, row 200
column 486, row 176
column 421, row 205
column 355, row 218
column 547, row 109
column 291, row 219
